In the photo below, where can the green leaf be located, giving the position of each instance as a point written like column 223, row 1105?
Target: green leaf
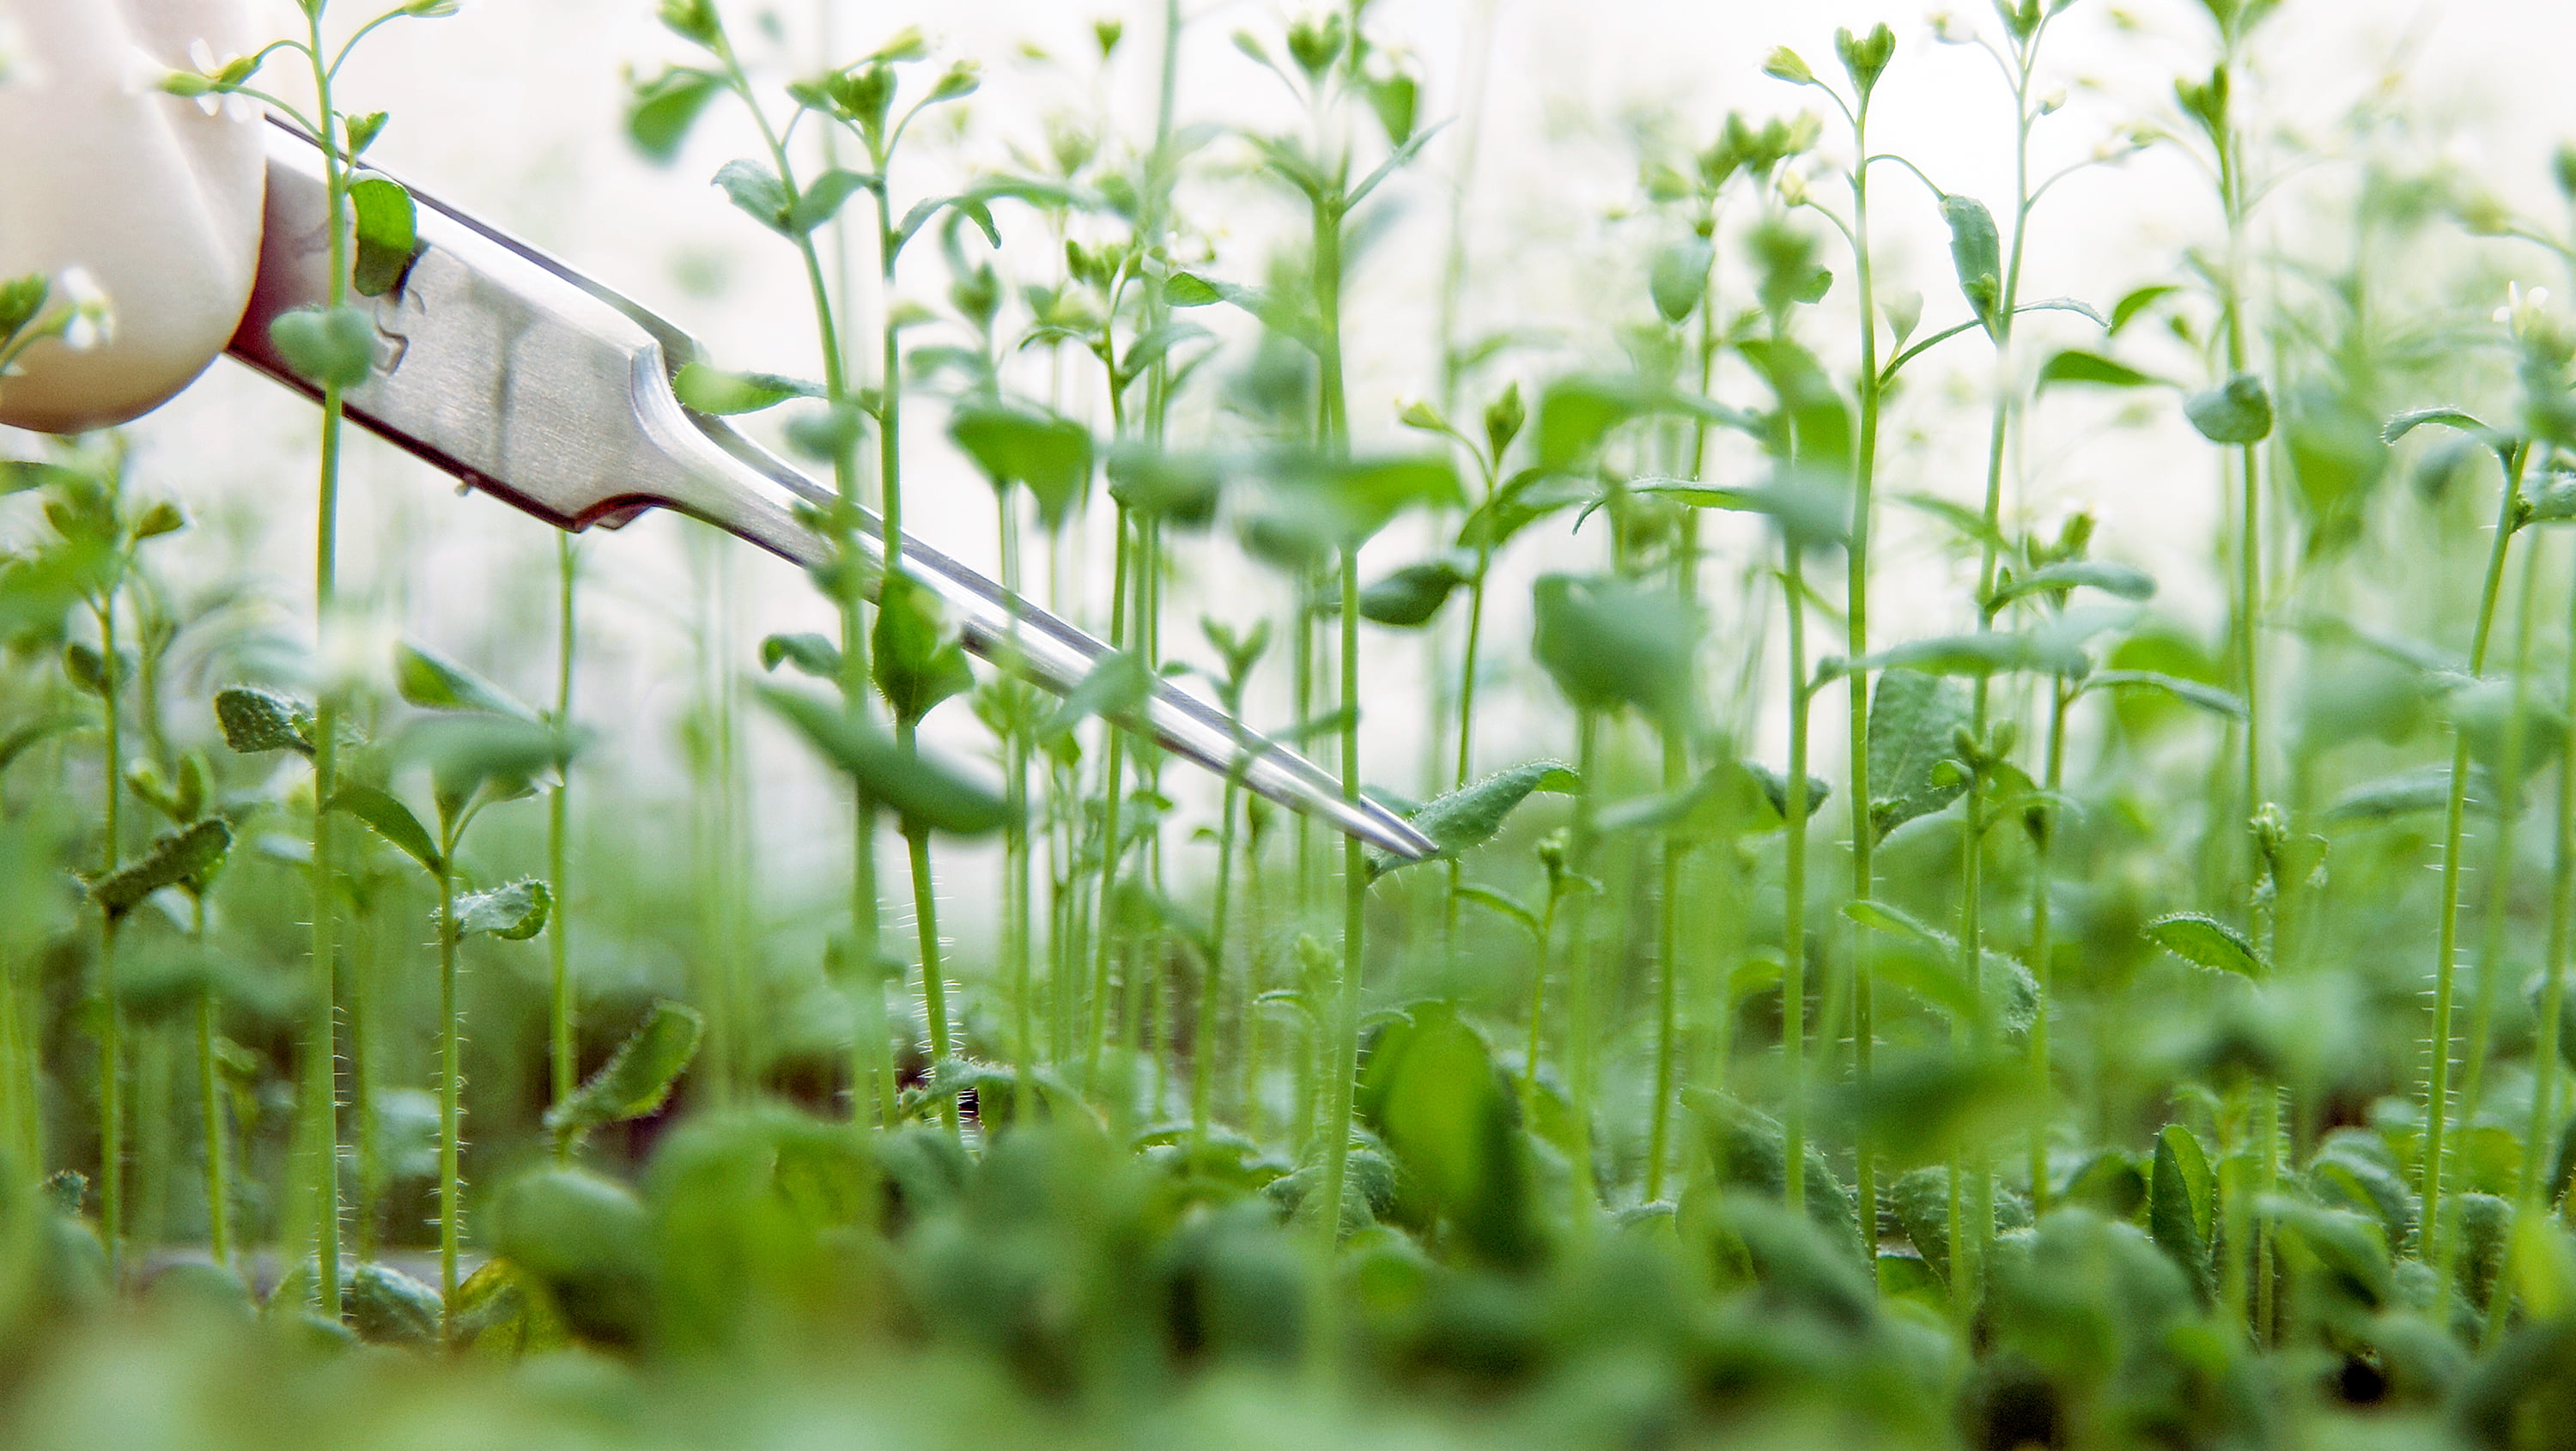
column 388, row 234
column 1913, row 718
column 391, row 819
column 1020, row 443
column 661, row 110
column 1434, row 1095
column 1576, row 414
column 1976, row 253
column 2074, row 365
column 2238, row 413
column 513, row 913
column 1523, row 499
column 2137, row 301
column 713, row 390
column 1747, row 1149
column 1609, row 643
column 1969, row 524
column 2461, row 419
column 822, row 199
column 432, row 681
column 1988, row 652
column 1501, row 905
column 473, row 751
column 928, row 793
column 1412, row 596
column 2350, row 1248
column 1116, row 685
column 2125, row 580
column 328, row 348
column 1188, row 289
column 1179, row 489
column 2204, row 941
column 813, row 654
column 188, row 854
column 388, row 1307
column 638, row 1079
column 919, row 660
column 2192, row 692
column 2427, row 789
column 2182, row 1206
column 255, row 720
column 758, row 191
column 1468, row 818
column 87, row 670
column 1811, row 513
column 1679, row 278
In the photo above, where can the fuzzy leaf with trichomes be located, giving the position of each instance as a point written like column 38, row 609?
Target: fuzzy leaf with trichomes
column 1469, row 817
column 638, row 1079
column 175, row 858
column 513, row 913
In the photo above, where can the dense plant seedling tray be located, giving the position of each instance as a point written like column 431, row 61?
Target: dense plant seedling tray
column 1890, row 969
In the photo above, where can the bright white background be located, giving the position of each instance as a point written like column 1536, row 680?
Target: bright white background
column 512, row 110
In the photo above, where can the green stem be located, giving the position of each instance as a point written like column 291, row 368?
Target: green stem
column 1018, row 926
column 219, row 1197
column 321, row 1067
column 2042, row 949
column 934, row 982
column 451, row 1101
column 2553, row 989
column 2437, row 1102
column 1672, row 852
column 1793, row 912
column 111, row 1047
column 1105, row 914
column 2499, row 893
column 566, row 1064
column 1211, row 998
column 1342, row 1067
column 1864, row 833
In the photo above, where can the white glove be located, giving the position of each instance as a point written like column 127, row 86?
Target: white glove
column 106, row 181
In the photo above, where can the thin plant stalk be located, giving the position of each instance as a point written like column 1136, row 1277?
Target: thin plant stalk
column 2546, row 1066
column 1211, row 997
column 1018, row 925
column 563, row 1057
column 2043, row 947
column 111, row 1047
column 321, row 1066
column 872, row 1054
column 1793, row 914
column 219, row 1195
column 1111, row 847
column 451, row 1099
column 1968, row 1261
column 1672, row 853
column 1342, row 1063
column 1856, row 647
column 2437, row 1102
column 2499, row 895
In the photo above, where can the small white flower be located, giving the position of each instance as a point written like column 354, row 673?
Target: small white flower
column 2049, row 103
column 2525, row 315
column 90, row 321
column 1949, row 29
column 1793, row 189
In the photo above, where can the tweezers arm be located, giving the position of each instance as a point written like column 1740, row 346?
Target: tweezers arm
column 524, row 379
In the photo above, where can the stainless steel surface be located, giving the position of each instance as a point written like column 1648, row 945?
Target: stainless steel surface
column 534, row 384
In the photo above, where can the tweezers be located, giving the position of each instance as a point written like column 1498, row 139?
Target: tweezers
column 526, row 380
